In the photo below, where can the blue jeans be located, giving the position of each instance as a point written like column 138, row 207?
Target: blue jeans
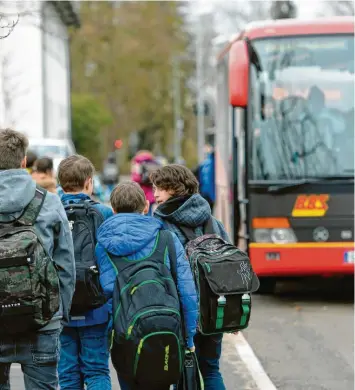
column 125, row 386
column 84, row 358
column 38, row 354
column 208, row 352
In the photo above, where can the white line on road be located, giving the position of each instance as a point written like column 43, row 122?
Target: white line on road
column 253, row 364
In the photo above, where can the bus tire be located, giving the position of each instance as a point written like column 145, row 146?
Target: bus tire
column 267, row 285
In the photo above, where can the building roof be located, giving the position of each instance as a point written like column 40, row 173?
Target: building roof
column 68, row 11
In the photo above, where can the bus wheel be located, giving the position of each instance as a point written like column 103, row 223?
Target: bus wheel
column 267, row 286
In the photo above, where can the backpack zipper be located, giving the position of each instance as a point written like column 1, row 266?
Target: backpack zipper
column 135, row 318
column 135, row 288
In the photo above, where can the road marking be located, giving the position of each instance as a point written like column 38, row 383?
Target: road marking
column 253, row 364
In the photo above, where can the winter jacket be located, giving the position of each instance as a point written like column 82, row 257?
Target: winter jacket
column 135, row 175
column 17, row 189
column 101, row 314
column 133, row 236
column 192, row 212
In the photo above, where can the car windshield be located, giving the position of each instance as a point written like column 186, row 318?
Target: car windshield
column 302, row 107
column 52, row 151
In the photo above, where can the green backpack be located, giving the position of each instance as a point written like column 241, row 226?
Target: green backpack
column 29, row 284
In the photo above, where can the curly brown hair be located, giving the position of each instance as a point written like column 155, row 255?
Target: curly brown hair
column 175, row 178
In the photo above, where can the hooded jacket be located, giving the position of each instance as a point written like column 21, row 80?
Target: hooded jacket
column 100, row 315
column 133, row 236
column 17, row 189
column 192, row 212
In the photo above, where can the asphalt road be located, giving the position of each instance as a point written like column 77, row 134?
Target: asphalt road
column 304, row 339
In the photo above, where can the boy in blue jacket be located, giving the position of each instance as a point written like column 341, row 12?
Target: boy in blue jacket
column 176, row 192
column 84, row 354
column 132, row 234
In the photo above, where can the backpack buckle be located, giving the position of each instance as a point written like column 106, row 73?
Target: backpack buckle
column 245, row 299
column 221, row 301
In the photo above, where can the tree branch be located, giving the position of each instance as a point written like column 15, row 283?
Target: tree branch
column 6, row 24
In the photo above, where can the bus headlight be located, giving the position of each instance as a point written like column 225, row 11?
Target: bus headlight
column 276, row 236
column 262, row 235
column 283, row 236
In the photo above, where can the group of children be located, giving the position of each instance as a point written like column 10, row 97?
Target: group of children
column 129, row 233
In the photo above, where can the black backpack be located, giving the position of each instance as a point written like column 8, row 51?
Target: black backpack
column 148, row 347
column 84, row 220
column 29, row 284
column 224, row 280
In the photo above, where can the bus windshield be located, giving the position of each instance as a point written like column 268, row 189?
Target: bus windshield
column 301, row 107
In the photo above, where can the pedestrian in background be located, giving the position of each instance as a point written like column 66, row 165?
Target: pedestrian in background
column 43, row 174
column 143, row 164
column 206, row 177
column 31, row 158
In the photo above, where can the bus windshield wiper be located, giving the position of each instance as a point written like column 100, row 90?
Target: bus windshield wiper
column 302, row 182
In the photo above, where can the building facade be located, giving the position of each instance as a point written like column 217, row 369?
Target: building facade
column 35, row 69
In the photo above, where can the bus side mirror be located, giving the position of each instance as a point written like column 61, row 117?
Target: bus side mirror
column 239, row 74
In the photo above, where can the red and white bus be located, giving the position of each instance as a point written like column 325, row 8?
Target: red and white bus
column 285, row 146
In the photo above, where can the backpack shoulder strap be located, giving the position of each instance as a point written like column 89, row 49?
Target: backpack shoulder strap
column 31, row 211
column 208, row 227
column 188, row 233
column 160, row 246
column 173, row 270
column 172, row 253
column 95, row 211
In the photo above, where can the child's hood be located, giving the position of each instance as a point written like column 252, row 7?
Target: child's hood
column 192, row 212
column 125, row 234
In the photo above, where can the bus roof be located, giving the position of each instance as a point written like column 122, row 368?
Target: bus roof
column 291, row 27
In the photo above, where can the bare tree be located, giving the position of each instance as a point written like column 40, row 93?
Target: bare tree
column 7, row 24
column 339, row 8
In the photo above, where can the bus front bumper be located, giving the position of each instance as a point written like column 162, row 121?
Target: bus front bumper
column 302, row 259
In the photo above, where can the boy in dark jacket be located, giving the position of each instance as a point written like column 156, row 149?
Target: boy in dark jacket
column 84, row 356
column 179, row 203
column 132, row 234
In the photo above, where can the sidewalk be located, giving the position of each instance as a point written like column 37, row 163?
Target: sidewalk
column 235, row 374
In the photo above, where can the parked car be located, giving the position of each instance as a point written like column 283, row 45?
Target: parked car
column 57, row 149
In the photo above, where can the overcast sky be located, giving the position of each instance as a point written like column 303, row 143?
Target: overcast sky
column 306, row 9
